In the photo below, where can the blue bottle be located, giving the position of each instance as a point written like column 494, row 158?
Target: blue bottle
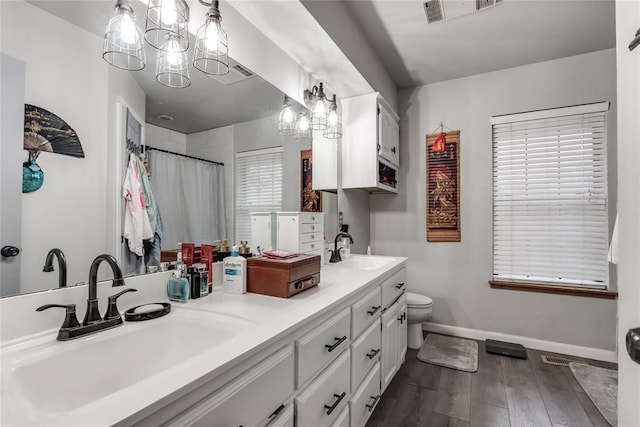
column 178, row 285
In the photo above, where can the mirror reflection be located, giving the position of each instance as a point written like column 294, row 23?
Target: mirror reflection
column 51, row 55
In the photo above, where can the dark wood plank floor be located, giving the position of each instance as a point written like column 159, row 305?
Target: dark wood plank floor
column 503, row 392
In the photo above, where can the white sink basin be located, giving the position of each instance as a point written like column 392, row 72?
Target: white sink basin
column 57, row 377
column 362, row 262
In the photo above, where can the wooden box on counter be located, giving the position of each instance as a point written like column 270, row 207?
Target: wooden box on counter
column 282, row 278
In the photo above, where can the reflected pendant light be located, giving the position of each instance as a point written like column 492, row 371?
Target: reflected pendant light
column 319, row 113
column 172, row 68
column 287, row 119
column 211, row 54
column 165, row 17
column 303, row 128
column 334, row 130
column 123, row 45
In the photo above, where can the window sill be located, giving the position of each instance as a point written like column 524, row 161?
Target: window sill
column 552, row 289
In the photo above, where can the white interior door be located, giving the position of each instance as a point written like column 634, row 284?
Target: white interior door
column 11, row 158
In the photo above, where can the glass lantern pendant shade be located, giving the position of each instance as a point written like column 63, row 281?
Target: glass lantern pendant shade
column 287, row 119
column 334, row 129
column 123, row 44
column 211, row 49
column 303, row 128
column 172, row 68
column 165, row 17
column 319, row 113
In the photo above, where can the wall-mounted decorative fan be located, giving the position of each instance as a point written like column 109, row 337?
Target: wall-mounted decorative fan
column 44, row 131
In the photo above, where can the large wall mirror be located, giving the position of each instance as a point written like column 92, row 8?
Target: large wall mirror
column 55, row 48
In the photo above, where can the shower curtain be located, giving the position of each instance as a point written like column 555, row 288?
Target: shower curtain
column 190, row 195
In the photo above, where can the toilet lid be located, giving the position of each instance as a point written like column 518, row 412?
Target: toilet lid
column 417, row 300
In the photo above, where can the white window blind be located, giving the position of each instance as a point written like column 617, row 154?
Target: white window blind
column 258, row 186
column 550, row 196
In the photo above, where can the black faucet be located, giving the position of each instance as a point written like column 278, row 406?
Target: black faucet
column 93, row 322
column 62, row 266
column 335, row 253
column 93, row 315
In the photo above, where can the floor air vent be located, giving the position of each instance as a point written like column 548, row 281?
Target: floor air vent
column 433, row 9
column 555, row 360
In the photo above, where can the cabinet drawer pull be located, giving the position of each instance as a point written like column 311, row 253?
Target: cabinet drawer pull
column 313, row 227
column 277, row 411
column 336, row 403
column 400, row 285
column 373, row 353
column 339, row 341
column 373, row 404
column 393, row 150
column 401, row 319
column 374, row 310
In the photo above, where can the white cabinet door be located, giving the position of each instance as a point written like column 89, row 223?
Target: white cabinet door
column 262, row 231
column 389, row 356
column 388, row 136
column 402, row 329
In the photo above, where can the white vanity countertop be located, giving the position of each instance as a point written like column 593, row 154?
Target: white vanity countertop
column 273, row 318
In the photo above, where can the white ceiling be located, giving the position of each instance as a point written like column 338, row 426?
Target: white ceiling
column 510, row 34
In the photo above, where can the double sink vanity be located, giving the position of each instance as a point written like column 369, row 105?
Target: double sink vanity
column 320, row 358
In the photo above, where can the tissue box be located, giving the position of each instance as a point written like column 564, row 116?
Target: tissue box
column 282, row 278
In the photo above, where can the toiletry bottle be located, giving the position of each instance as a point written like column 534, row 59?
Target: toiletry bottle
column 194, row 282
column 203, row 276
column 234, row 279
column 178, row 285
column 346, row 248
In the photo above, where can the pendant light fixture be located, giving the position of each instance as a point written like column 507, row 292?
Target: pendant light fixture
column 211, row 49
column 303, row 128
column 287, row 118
column 172, row 68
column 319, row 113
column 334, row 129
column 164, row 18
column 123, row 46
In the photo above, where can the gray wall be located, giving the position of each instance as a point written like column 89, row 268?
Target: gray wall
column 455, row 275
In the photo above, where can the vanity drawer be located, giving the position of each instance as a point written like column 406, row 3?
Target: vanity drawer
column 311, row 218
column 311, row 228
column 326, row 397
column 311, row 246
column 393, row 287
column 365, row 352
column 311, row 237
column 365, row 399
column 321, row 345
column 365, row 311
column 243, row 401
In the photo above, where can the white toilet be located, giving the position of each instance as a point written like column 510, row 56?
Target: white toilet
column 419, row 309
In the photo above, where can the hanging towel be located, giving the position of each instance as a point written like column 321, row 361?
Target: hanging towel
column 613, row 247
column 136, row 220
column 149, row 199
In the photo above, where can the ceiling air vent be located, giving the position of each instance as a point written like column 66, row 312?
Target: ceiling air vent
column 433, row 9
column 444, row 10
column 481, row 4
column 237, row 72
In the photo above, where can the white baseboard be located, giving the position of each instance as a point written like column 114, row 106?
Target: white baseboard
column 533, row 343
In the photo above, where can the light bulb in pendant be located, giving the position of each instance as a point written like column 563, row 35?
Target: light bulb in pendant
column 127, row 28
column 168, row 12
column 303, row 124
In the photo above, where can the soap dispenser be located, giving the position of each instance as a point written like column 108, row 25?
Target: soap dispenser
column 345, row 242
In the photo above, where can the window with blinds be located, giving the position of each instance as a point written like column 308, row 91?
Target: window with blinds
column 258, row 186
column 550, row 196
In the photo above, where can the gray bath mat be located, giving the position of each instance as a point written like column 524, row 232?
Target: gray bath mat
column 450, row 352
column 601, row 385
